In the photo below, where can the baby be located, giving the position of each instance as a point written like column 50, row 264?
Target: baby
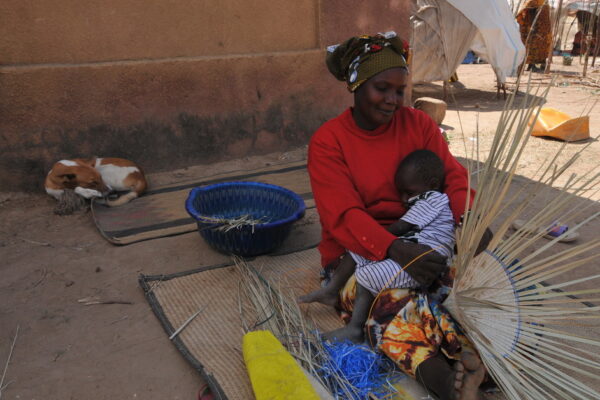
column 419, row 180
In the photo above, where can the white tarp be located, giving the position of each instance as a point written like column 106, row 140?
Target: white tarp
column 445, row 30
column 441, row 38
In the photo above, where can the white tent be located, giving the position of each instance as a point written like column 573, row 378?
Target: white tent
column 445, row 30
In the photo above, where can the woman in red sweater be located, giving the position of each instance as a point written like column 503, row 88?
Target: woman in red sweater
column 352, row 160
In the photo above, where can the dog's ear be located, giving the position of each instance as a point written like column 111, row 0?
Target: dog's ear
column 91, row 162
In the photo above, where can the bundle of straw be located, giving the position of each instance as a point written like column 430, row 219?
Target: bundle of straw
column 518, row 328
column 227, row 224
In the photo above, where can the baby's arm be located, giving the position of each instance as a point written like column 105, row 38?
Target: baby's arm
column 400, row 227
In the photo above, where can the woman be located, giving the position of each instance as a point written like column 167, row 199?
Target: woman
column 536, row 33
column 351, row 162
column 587, row 36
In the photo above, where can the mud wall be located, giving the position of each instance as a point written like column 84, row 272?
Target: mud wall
column 169, row 83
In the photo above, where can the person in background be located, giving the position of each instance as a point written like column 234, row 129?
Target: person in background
column 587, row 36
column 536, row 33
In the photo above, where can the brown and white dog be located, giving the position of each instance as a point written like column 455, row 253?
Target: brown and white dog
column 96, row 178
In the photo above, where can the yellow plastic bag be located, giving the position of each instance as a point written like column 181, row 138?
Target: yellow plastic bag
column 274, row 373
column 557, row 124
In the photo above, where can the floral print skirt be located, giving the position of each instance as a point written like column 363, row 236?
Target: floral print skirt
column 409, row 325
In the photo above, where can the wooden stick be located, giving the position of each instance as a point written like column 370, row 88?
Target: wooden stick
column 186, row 323
column 90, row 301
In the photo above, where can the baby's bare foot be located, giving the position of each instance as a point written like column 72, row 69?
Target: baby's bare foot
column 323, row 295
column 469, row 373
column 351, row 333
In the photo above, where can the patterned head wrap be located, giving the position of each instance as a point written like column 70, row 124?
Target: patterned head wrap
column 361, row 57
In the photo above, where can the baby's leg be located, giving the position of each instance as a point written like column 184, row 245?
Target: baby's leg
column 329, row 294
column 381, row 275
column 447, row 383
column 371, row 277
column 354, row 331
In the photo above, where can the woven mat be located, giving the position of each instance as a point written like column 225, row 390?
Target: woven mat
column 212, row 342
column 161, row 211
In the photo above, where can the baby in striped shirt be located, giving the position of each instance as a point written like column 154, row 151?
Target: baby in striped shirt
column 427, row 221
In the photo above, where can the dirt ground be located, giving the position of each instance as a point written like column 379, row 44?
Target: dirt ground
column 68, row 350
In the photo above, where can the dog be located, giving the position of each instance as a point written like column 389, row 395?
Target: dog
column 97, row 178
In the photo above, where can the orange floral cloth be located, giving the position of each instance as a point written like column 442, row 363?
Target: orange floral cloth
column 539, row 42
column 409, row 325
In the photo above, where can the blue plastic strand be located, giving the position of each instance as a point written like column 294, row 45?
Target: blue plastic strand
column 365, row 370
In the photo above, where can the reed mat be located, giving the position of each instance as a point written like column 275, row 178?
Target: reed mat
column 161, row 211
column 212, row 341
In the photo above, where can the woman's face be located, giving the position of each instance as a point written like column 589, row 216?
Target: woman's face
column 376, row 100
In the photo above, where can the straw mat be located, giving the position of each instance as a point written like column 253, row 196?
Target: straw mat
column 212, row 342
column 161, row 211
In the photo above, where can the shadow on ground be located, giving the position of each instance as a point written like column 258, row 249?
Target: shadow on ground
column 461, row 98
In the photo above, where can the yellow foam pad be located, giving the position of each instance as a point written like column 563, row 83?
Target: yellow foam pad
column 274, row 373
column 557, row 124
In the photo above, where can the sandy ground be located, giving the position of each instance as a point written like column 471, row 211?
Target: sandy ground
column 67, row 350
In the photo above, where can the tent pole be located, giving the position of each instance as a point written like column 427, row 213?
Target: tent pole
column 555, row 35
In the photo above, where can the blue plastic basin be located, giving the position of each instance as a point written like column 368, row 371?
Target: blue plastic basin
column 277, row 206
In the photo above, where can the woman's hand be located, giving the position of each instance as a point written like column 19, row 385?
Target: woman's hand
column 424, row 270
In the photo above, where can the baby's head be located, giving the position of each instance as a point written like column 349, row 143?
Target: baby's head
column 419, row 172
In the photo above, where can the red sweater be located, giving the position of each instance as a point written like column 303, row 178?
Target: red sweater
column 352, row 177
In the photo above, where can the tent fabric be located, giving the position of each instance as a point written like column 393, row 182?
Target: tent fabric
column 445, row 30
column 435, row 57
column 498, row 34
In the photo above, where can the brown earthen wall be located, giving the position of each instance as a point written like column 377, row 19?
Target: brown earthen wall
column 169, row 83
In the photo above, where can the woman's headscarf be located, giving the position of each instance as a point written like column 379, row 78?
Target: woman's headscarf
column 361, row 57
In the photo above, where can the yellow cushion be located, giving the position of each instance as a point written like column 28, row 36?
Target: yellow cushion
column 274, row 373
column 557, row 124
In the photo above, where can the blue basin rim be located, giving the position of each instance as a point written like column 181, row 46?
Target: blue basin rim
column 295, row 216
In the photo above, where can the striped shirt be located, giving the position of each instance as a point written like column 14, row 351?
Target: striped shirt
column 434, row 226
column 430, row 213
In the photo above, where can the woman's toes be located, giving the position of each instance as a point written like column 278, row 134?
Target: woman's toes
column 470, row 361
column 458, row 380
column 469, row 373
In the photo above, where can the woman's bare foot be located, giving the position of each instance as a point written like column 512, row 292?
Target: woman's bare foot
column 460, row 382
column 324, row 295
column 351, row 333
column 468, row 375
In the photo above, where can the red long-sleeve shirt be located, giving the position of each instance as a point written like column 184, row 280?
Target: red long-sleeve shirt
column 352, row 177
